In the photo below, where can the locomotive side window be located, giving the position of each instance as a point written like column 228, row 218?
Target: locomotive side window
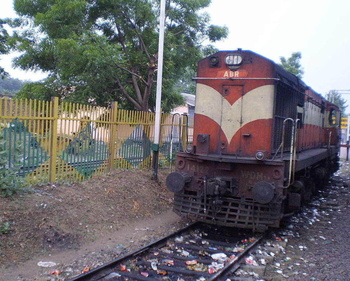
column 300, row 120
column 300, row 116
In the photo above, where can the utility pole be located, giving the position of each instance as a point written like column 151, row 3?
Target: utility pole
column 157, row 124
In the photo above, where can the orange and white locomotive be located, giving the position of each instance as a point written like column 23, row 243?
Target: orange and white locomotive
column 263, row 142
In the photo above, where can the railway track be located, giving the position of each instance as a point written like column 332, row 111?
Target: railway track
column 198, row 252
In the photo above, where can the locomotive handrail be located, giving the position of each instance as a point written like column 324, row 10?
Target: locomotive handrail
column 292, row 152
column 329, row 139
column 283, row 134
column 297, row 121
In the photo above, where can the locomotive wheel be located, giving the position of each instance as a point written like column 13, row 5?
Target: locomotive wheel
column 312, row 187
column 306, row 195
column 308, row 191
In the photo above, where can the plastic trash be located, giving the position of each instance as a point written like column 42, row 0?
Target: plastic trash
column 179, row 239
column 123, row 267
column 219, row 257
column 168, row 262
column 86, row 269
column 154, row 266
column 215, row 267
column 161, row 272
column 250, row 260
column 46, row 264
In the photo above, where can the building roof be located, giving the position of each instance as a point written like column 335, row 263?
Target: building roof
column 190, row 99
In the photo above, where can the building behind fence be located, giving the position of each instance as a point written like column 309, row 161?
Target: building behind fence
column 61, row 141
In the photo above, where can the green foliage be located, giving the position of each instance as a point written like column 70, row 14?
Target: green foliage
column 185, row 84
column 98, row 51
column 10, row 182
column 5, row 227
column 44, row 90
column 293, row 65
column 336, row 98
column 3, row 46
column 10, row 86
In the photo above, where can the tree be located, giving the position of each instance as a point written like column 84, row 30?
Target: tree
column 185, row 83
column 3, row 46
column 336, row 98
column 106, row 50
column 293, row 65
column 10, row 86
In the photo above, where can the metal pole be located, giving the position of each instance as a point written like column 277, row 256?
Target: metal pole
column 155, row 146
column 347, row 139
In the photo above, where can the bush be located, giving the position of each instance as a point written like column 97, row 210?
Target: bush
column 5, row 228
column 10, row 181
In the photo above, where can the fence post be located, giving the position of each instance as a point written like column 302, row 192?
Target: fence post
column 112, row 136
column 53, row 150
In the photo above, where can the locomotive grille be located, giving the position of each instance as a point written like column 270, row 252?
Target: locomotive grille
column 234, row 212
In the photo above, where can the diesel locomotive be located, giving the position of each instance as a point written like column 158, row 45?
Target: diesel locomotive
column 263, row 142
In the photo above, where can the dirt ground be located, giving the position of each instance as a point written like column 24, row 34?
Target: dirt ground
column 318, row 247
column 76, row 227
column 64, row 223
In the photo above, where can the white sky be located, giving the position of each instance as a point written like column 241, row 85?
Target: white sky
column 6, row 11
column 319, row 29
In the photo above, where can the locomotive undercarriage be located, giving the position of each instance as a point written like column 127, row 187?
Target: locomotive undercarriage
column 228, row 211
column 308, row 181
column 232, row 192
column 213, row 192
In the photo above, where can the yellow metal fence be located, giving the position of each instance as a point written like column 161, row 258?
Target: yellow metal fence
column 61, row 141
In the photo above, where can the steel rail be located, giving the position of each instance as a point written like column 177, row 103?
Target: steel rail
column 200, row 241
column 234, row 264
column 100, row 271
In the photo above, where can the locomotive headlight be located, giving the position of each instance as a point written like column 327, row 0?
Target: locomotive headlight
column 233, row 61
column 260, row 155
column 214, row 61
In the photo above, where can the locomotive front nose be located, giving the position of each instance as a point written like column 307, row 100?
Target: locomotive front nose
column 176, row 181
column 263, row 192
